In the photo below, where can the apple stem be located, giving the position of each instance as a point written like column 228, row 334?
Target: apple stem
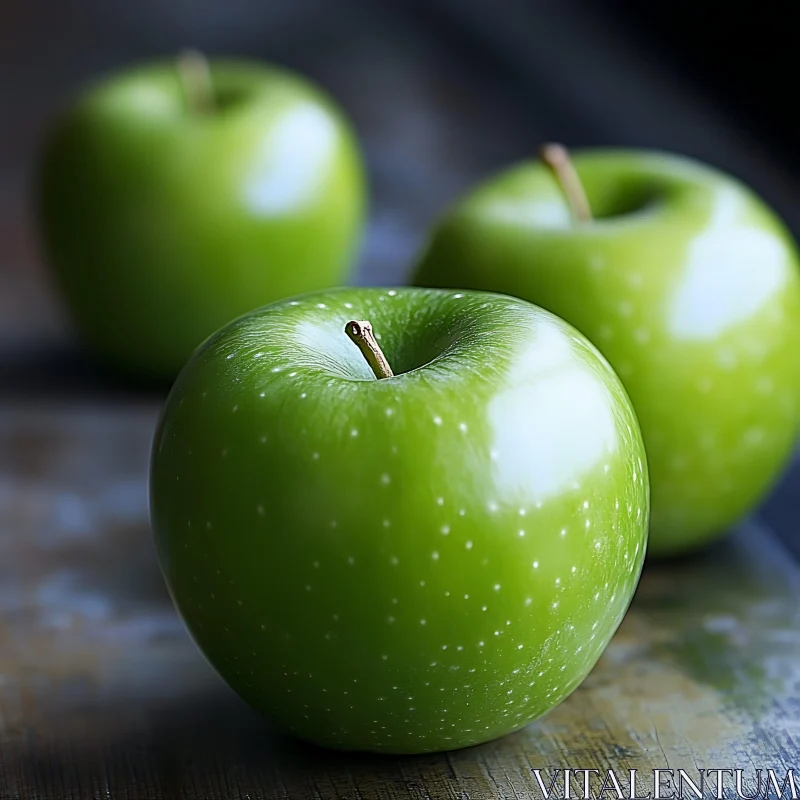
column 556, row 157
column 195, row 77
column 360, row 333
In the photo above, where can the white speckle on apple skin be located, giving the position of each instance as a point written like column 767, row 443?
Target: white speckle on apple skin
column 765, row 386
column 624, row 369
column 596, row 262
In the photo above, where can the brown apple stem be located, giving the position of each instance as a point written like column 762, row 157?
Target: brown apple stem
column 360, row 333
column 556, row 157
column 195, row 77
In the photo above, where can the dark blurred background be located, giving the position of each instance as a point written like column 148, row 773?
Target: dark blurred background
column 442, row 92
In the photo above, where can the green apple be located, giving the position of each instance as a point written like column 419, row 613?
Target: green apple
column 689, row 286
column 408, row 563
column 175, row 197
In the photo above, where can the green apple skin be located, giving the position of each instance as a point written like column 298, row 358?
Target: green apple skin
column 162, row 223
column 688, row 285
column 417, row 563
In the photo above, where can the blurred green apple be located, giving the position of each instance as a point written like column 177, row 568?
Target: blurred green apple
column 685, row 281
column 176, row 196
column 418, row 562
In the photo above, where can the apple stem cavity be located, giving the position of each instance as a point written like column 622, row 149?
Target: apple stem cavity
column 194, row 74
column 556, row 157
column 360, row 333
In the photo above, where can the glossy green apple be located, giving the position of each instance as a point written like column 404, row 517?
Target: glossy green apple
column 689, row 286
column 165, row 218
column 415, row 563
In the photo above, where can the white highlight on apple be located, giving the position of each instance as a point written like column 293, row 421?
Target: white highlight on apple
column 731, row 271
column 537, row 454
column 297, row 155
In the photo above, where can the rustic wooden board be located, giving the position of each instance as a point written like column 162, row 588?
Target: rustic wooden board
column 102, row 694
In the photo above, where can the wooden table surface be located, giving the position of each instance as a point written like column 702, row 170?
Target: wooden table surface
column 103, row 695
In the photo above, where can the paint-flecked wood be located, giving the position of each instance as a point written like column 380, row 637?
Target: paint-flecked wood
column 103, row 694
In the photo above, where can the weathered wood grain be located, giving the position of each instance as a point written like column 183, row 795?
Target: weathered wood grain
column 103, row 695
